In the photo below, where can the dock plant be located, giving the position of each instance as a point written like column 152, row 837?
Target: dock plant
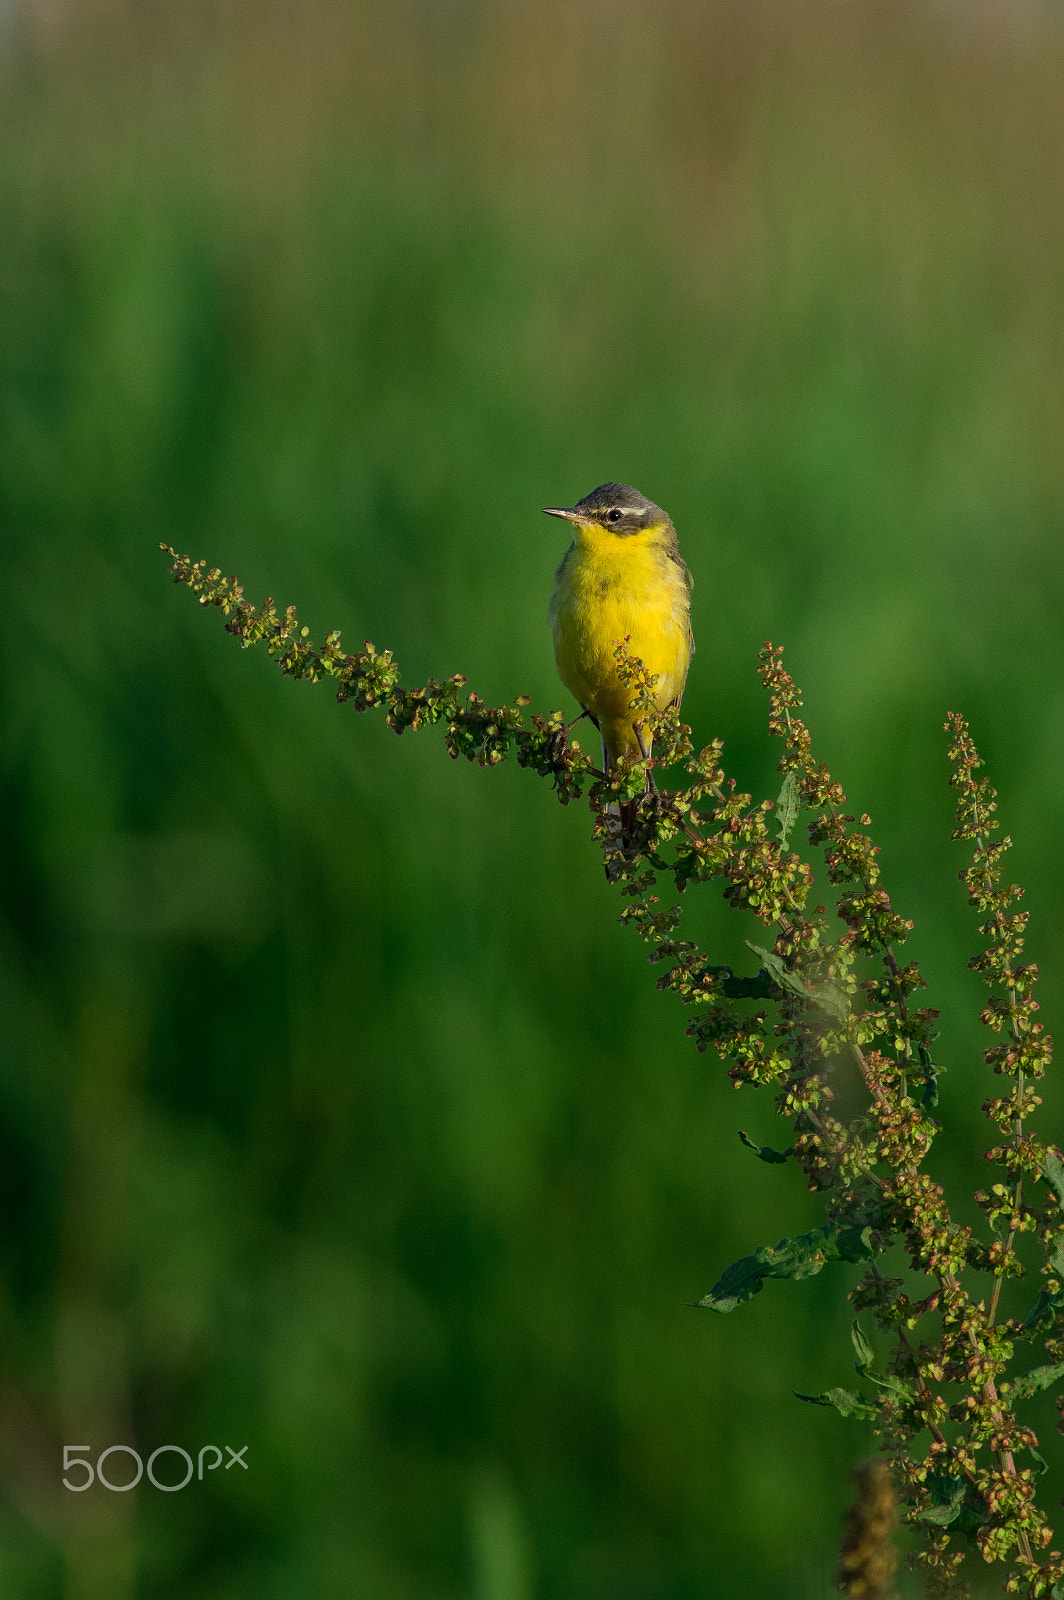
column 829, row 995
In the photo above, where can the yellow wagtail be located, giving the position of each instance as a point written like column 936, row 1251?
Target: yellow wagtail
column 622, row 576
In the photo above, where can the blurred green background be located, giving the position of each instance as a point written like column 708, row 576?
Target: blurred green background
column 339, row 1118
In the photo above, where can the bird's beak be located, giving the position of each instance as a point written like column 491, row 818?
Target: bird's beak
column 566, row 512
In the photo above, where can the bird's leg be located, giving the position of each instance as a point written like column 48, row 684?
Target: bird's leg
column 645, row 753
column 558, row 741
column 652, row 792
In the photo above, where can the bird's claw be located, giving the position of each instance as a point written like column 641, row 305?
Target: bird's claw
column 557, row 745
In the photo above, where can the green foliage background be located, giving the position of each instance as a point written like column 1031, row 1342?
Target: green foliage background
column 339, row 1117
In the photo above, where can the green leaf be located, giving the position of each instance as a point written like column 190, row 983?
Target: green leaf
column 829, row 995
column 953, row 1500
column 1044, row 1310
column 929, row 1097
column 861, row 1347
column 832, row 998
column 787, row 808
column 896, row 1387
column 1054, row 1174
column 802, row 1256
column 941, row 1516
column 1031, row 1382
column 760, row 987
column 855, row 1244
column 765, row 1152
column 784, row 975
column 845, row 1402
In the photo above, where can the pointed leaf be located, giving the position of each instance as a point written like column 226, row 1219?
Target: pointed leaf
column 765, row 1152
column 845, row 1402
column 855, row 1244
column 802, row 1256
column 1031, row 1382
column 1054, row 1173
column 897, row 1388
column 784, row 976
column 829, row 995
column 762, row 986
column 1044, row 1310
column 832, row 998
column 787, row 808
column 942, row 1515
column 861, row 1347
column 929, row 1097
column 953, row 1500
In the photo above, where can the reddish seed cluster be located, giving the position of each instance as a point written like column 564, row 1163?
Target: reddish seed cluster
column 945, row 1402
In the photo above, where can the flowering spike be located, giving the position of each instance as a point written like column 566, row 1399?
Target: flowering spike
column 816, row 1005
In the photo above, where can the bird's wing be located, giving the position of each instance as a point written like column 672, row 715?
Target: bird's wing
column 674, row 555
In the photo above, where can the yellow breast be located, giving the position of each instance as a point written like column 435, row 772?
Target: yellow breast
column 608, row 588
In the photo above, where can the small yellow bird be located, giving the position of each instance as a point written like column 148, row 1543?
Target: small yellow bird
column 622, row 576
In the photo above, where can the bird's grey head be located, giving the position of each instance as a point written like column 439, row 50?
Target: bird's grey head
column 615, row 506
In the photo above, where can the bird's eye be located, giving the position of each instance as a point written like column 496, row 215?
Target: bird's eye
column 614, row 515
